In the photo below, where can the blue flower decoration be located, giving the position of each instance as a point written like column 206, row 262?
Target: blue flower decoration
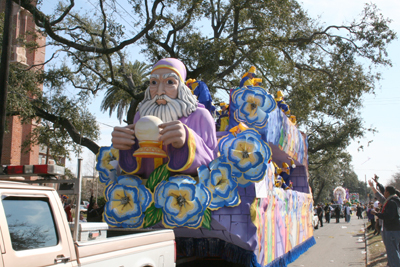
column 127, row 201
column 221, row 183
column 252, row 106
column 248, row 154
column 183, row 201
column 105, row 159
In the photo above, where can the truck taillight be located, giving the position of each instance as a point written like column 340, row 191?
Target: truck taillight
column 19, row 169
column 15, row 169
column 48, row 169
column 35, row 169
column 174, row 251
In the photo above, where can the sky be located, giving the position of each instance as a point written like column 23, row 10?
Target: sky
column 379, row 111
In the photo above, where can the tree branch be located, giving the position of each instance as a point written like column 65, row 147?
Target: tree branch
column 42, row 21
column 72, row 131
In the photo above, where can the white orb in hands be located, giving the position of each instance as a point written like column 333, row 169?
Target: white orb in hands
column 146, row 128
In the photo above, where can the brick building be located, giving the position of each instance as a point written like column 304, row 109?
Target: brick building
column 17, row 132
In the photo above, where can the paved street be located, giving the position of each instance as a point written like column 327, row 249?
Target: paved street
column 338, row 244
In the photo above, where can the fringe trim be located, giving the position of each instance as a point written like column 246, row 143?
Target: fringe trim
column 293, row 254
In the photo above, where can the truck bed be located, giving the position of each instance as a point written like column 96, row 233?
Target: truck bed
column 140, row 248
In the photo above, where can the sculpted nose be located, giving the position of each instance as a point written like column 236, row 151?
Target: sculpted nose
column 160, row 89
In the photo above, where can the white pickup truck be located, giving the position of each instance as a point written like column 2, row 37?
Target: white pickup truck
column 34, row 231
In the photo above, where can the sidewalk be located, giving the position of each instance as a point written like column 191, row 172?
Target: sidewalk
column 338, row 244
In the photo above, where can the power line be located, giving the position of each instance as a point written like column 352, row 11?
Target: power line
column 126, row 11
column 106, row 124
column 122, row 17
column 376, row 170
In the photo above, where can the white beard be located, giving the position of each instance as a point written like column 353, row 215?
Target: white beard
column 172, row 111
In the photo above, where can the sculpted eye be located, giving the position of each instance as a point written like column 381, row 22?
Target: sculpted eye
column 170, row 82
column 153, row 82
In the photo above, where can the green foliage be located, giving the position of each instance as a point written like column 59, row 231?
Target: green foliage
column 23, row 91
column 337, row 171
column 48, row 111
column 158, row 175
column 395, row 181
column 207, row 219
column 325, row 177
column 120, row 100
column 152, row 216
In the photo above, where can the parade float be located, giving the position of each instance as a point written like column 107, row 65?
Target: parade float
column 232, row 207
column 340, row 195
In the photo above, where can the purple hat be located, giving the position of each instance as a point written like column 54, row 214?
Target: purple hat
column 173, row 64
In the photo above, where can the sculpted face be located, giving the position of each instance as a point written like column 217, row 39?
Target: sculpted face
column 167, row 97
column 164, row 82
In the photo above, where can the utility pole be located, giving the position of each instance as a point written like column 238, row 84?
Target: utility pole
column 4, row 69
column 366, row 189
column 78, row 200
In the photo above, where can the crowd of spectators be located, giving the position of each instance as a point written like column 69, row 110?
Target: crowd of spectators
column 384, row 217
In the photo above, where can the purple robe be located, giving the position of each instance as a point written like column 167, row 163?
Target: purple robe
column 199, row 148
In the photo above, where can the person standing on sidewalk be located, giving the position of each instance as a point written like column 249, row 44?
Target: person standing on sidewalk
column 337, row 213
column 359, row 211
column 378, row 222
column 371, row 217
column 347, row 212
column 320, row 213
column 391, row 225
column 327, row 209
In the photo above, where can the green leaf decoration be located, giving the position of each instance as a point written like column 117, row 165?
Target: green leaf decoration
column 158, row 175
column 207, row 219
column 152, row 216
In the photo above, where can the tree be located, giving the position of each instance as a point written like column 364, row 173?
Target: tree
column 326, row 177
column 395, row 181
column 120, row 100
column 62, row 121
column 318, row 67
column 339, row 172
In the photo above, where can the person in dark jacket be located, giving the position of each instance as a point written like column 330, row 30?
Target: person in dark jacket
column 371, row 217
column 94, row 212
column 320, row 213
column 391, row 225
column 337, row 213
column 327, row 209
column 359, row 211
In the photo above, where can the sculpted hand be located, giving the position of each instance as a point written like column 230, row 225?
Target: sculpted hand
column 173, row 133
column 123, row 137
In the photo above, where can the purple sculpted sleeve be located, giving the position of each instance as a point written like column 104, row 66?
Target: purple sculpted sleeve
column 202, row 131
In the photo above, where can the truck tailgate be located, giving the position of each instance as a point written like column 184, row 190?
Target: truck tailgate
column 154, row 248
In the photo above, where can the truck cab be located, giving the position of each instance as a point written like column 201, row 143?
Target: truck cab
column 34, row 231
column 33, row 227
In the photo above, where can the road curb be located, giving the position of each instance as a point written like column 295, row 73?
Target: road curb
column 366, row 244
